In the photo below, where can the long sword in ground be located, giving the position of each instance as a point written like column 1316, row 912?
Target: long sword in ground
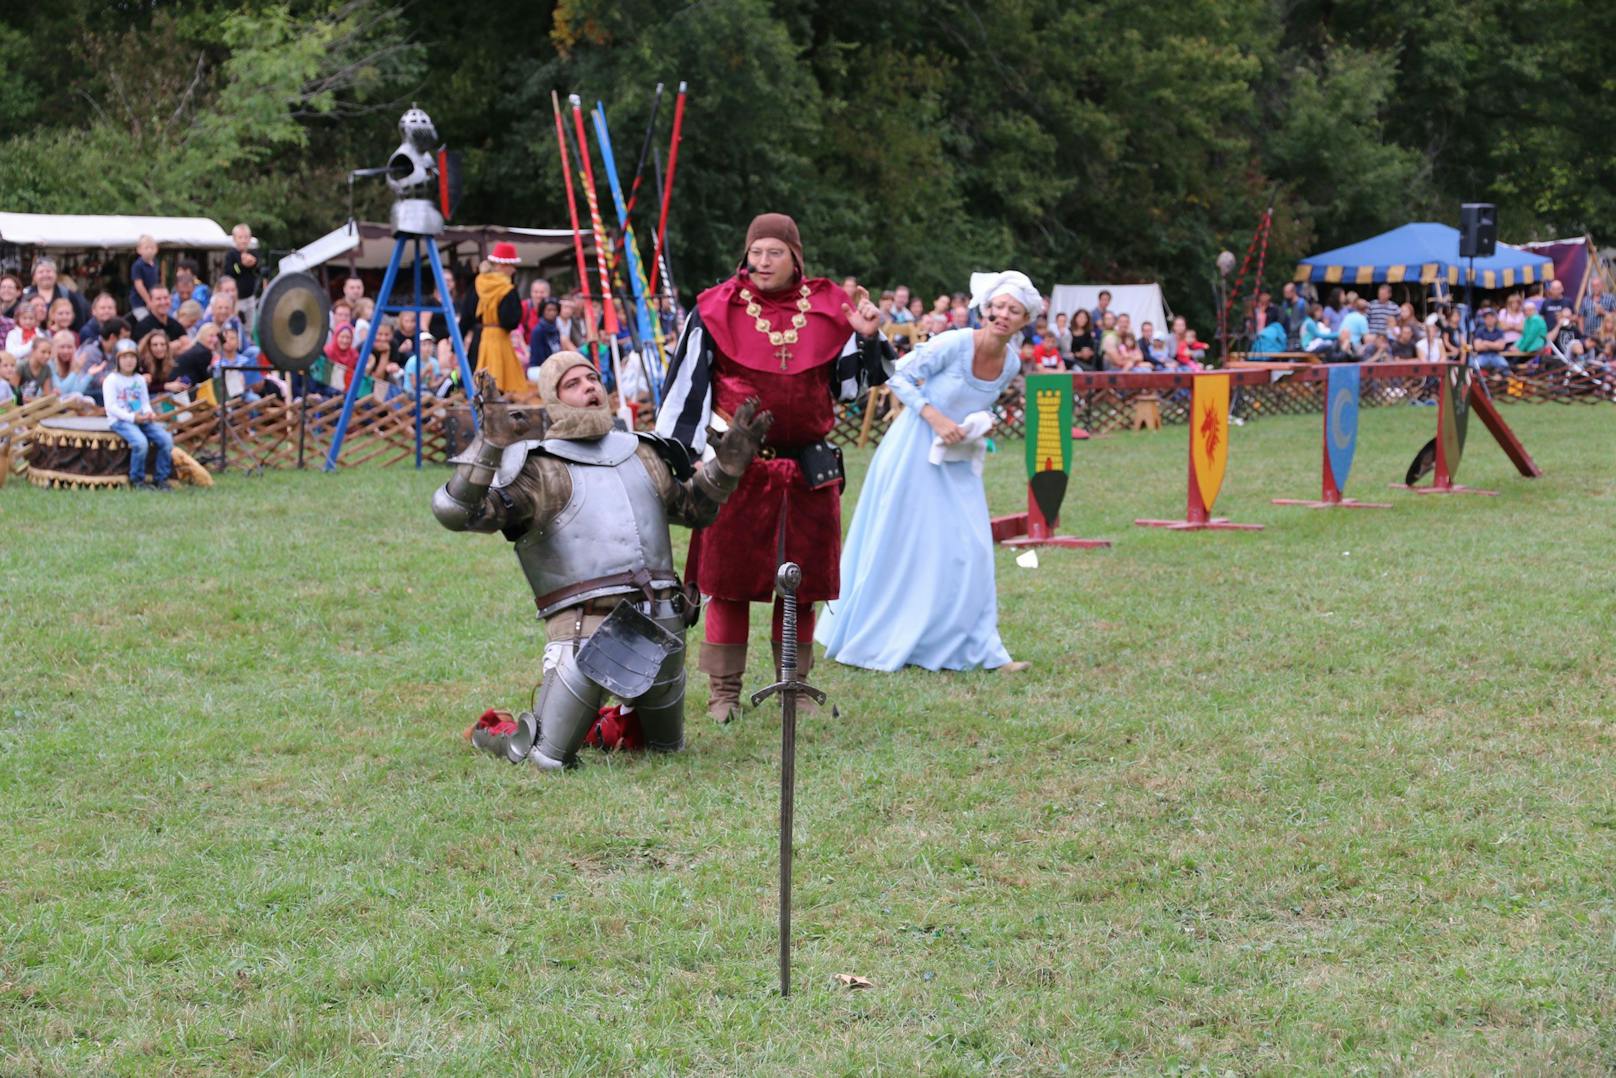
column 786, row 582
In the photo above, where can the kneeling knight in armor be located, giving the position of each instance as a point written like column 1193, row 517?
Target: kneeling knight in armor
column 587, row 508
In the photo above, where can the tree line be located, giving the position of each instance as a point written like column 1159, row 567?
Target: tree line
column 914, row 140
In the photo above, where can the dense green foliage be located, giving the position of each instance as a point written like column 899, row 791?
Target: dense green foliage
column 1331, row 798
column 914, row 140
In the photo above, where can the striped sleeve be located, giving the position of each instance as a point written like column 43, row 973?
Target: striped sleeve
column 687, row 394
column 863, row 365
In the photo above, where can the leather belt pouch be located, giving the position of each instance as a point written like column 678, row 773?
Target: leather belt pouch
column 821, row 465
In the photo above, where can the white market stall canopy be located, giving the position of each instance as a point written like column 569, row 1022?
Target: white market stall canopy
column 369, row 245
column 109, row 232
column 1140, row 302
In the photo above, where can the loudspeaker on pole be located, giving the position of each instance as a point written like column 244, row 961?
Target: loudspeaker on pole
column 1478, row 230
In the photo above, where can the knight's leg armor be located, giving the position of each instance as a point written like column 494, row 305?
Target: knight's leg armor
column 661, row 708
column 568, row 705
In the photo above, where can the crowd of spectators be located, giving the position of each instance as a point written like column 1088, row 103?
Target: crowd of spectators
column 57, row 342
column 1098, row 339
column 186, row 332
column 1541, row 331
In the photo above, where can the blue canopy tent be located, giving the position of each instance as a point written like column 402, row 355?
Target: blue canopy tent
column 1426, row 252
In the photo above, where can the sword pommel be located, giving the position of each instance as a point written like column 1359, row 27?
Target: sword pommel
column 788, row 579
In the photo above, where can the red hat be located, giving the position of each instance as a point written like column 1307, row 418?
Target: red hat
column 504, row 252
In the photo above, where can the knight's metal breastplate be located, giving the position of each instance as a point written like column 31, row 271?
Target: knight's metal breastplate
column 613, row 525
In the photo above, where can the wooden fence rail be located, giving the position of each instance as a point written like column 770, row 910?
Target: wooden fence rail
column 266, row 433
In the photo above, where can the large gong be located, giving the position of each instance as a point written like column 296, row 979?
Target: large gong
column 293, row 321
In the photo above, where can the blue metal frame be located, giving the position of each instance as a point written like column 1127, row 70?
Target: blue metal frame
column 351, row 392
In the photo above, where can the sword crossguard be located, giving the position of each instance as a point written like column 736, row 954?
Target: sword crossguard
column 801, row 687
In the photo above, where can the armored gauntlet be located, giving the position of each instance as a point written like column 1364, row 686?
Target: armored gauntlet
column 719, row 477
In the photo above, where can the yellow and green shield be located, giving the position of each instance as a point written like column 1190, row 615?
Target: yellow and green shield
column 1049, row 440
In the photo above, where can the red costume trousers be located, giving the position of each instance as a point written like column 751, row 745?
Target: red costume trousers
column 729, row 621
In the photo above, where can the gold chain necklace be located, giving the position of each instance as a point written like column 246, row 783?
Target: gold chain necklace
column 779, row 338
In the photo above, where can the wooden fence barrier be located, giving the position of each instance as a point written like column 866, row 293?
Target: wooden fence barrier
column 264, row 433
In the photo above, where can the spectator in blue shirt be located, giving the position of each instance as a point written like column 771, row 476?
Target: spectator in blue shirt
column 1354, row 328
column 1553, row 303
column 1487, row 350
column 1595, row 306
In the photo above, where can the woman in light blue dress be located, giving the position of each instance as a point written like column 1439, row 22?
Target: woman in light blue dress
column 917, row 566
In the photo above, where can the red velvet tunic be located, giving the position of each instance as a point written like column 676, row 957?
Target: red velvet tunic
column 740, row 551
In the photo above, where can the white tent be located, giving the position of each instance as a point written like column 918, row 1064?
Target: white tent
column 109, row 232
column 1141, row 302
column 369, row 245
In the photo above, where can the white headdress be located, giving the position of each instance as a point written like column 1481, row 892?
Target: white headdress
column 1014, row 283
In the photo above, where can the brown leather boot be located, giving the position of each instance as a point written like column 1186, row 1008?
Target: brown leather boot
column 723, row 664
column 805, row 666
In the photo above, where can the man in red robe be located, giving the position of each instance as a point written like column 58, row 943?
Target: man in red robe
column 799, row 344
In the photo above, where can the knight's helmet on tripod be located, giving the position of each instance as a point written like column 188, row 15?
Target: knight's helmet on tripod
column 423, row 175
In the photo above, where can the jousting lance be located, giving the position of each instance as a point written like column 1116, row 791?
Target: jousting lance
column 650, row 329
column 667, row 190
column 645, row 150
column 602, row 251
column 577, row 238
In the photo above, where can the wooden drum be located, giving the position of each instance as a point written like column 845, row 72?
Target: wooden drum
column 83, row 452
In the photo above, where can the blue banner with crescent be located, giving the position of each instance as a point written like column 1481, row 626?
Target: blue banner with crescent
column 1341, row 419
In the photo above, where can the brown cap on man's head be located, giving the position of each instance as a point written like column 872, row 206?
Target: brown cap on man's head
column 775, row 226
column 553, row 369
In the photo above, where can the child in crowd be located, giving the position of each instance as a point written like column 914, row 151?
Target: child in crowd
column 364, row 309
column 381, row 367
column 20, row 341
column 189, row 314
column 143, row 277
column 404, row 338
column 35, row 370
column 243, row 383
column 69, row 379
column 61, row 315
column 129, row 409
column 241, row 269
column 448, row 368
column 434, row 368
column 1191, row 351
column 10, row 381
column 1046, row 354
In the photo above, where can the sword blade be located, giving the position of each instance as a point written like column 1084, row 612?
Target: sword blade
column 788, row 779
column 788, row 775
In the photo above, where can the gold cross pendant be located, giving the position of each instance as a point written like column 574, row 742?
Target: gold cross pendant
column 783, row 354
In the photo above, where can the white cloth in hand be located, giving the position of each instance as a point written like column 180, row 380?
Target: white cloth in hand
column 974, row 446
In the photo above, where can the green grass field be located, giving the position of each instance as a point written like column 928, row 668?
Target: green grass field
column 1333, row 797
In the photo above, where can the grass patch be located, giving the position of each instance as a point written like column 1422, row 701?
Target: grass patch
column 1335, row 796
